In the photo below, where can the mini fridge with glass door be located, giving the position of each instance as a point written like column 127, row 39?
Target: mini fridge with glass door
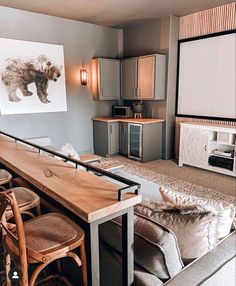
column 135, row 141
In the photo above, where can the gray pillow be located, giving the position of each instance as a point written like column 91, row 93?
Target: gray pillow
column 155, row 246
column 194, row 227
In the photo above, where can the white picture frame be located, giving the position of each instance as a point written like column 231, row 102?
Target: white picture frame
column 32, row 77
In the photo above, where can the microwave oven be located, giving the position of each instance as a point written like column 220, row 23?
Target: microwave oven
column 122, row 111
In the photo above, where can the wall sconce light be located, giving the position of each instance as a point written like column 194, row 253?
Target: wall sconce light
column 84, row 76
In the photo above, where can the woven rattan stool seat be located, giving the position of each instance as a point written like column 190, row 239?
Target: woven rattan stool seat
column 51, row 232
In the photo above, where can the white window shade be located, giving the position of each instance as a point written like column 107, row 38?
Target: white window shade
column 206, row 77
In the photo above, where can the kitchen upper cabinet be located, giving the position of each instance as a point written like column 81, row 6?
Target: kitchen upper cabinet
column 151, row 77
column 146, row 77
column 129, row 76
column 143, row 78
column 106, row 79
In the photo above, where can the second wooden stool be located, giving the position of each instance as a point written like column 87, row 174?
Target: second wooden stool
column 5, row 178
column 27, row 200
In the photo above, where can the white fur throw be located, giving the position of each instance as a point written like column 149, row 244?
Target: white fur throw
column 69, row 151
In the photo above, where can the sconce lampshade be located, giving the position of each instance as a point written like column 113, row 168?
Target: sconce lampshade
column 84, row 76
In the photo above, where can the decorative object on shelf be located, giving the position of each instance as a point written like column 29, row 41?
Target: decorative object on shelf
column 137, row 108
column 84, row 77
column 32, row 77
column 227, row 138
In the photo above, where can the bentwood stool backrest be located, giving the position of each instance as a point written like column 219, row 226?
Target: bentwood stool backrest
column 27, row 200
column 8, row 199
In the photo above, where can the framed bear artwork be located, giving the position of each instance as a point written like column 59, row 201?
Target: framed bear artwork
column 32, row 77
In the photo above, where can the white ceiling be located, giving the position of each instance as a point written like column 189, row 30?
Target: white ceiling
column 113, row 12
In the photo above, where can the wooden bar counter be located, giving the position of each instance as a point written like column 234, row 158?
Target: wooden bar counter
column 90, row 197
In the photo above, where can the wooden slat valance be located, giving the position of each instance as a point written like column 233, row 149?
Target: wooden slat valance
column 222, row 18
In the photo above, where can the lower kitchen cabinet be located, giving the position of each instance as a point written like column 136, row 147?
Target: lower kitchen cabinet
column 142, row 142
column 106, row 138
column 145, row 142
column 151, row 142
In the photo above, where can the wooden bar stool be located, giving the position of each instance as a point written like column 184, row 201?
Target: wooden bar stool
column 5, row 178
column 27, row 200
column 39, row 241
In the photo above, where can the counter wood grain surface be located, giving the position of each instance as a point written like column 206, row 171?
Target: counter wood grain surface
column 128, row 120
column 85, row 194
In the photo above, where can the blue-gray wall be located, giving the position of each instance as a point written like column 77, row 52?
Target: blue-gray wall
column 81, row 43
column 158, row 36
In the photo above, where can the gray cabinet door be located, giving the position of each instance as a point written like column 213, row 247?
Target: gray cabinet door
column 129, row 75
column 152, row 142
column 113, row 138
column 124, row 138
column 193, row 146
column 106, row 138
column 100, row 138
column 146, row 77
column 109, row 71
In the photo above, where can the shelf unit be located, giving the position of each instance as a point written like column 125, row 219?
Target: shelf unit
column 199, row 142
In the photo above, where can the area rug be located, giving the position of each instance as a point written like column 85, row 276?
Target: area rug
column 171, row 183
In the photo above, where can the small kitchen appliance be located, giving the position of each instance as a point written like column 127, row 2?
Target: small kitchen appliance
column 122, row 111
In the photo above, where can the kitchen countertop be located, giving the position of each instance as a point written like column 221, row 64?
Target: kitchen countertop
column 128, row 120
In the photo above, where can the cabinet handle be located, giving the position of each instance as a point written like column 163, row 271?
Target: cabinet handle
column 205, row 147
column 110, row 128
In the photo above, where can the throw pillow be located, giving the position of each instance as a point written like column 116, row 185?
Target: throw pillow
column 195, row 228
column 225, row 211
column 155, row 246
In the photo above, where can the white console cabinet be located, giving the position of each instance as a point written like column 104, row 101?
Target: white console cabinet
column 210, row 147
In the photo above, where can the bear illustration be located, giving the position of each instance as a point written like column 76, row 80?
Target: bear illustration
column 18, row 74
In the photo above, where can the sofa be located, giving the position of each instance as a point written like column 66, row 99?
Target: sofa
column 215, row 268
column 201, row 253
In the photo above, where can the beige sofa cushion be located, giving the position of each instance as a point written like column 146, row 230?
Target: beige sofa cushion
column 155, row 247
column 225, row 211
column 195, row 229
